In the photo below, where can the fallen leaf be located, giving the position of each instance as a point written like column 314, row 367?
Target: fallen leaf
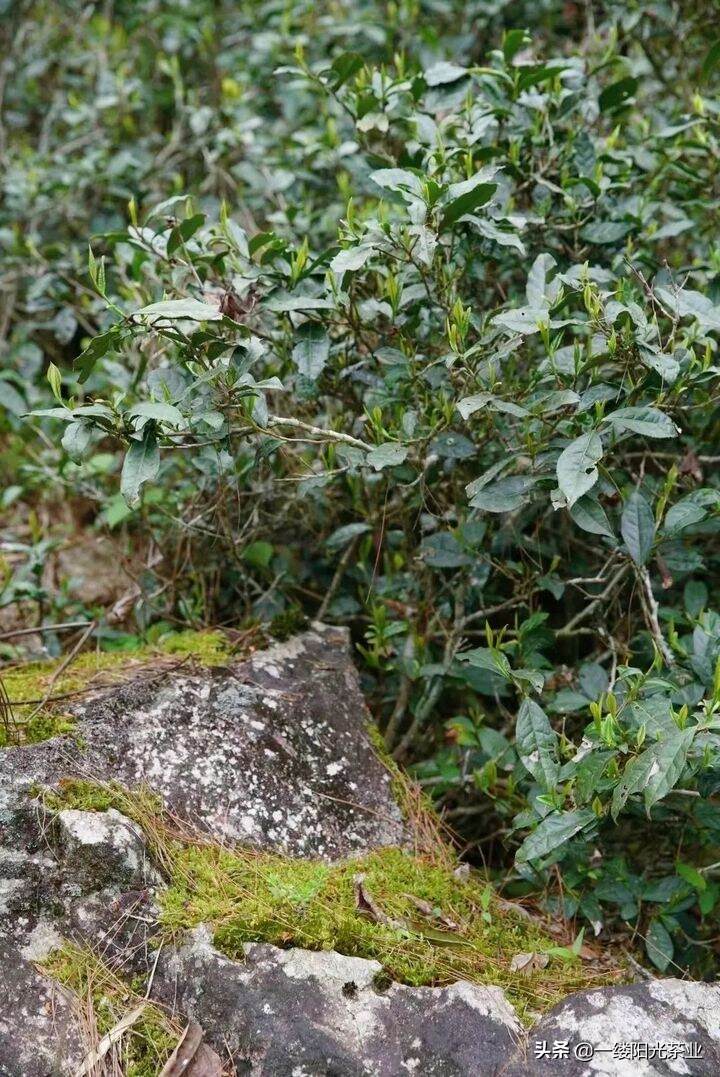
column 690, row 465
column 366, row 907
column 515, row 908
column 527, row 964
column 434, row 935
column 192, row 1057
column 433, row 913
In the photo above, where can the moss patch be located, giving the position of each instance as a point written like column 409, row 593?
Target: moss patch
column 106, row 997
column 434, row 926
column 35, row 717
column 247, row 896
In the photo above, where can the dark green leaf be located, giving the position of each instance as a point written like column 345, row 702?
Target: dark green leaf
column 637, row 526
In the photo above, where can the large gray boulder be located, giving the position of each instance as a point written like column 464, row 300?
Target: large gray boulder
column 273, row 750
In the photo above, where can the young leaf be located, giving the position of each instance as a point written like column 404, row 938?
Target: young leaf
column 55, row 381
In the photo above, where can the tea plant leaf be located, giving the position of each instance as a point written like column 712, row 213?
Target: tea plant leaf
column 554, row 831
column 311, row 350
column 659, row 945
column 141, row 465
column 637, row 527
column 650, row 422
column 576, row 467
column 537, row 743
column 173, row 310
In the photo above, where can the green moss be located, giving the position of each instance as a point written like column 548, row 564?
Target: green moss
column 28, row 685
column 432, row 926
column 85, row 795
column 210, row 648
column 151, row 1039
column 248, row 896
column 286, row 624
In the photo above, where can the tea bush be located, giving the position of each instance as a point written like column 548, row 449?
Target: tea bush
column 413, row 327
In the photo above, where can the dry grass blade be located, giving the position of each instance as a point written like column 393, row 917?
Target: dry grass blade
column 109, row 1039
column 7, row 718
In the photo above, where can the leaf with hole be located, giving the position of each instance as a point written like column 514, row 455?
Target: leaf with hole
column 537, row 743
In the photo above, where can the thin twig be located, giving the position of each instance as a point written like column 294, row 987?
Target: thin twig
column 317, row 431
column 571, row 626
column 43, row 628
column 337, row 578
column 650, row 607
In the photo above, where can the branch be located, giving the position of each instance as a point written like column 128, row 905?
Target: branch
column 650, row 608
column 317, row 431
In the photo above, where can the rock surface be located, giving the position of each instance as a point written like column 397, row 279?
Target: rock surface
column 658, row 1028
column 298, row 1012
column 273, row 749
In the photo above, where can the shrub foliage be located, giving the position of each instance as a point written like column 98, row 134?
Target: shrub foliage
column 411, row 324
